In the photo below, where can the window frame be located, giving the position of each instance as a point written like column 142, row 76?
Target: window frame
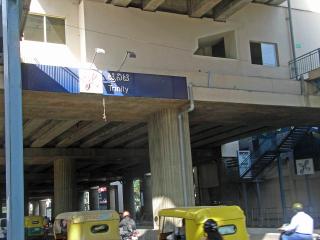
column 44, row 23
column 276, row 52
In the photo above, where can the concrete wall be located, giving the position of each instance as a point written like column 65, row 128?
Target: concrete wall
column 165, row 43
column 55, row 54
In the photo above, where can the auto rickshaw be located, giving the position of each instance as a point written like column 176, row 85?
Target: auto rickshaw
column 230, row 222
column 87, row 225
column 33, row 227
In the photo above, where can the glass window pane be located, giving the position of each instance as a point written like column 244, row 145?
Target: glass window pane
column 55, row 30
column 269, row 54
column 256, row 55
column 34, row 30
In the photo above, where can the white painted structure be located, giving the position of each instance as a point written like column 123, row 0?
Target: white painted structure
column 165, row 43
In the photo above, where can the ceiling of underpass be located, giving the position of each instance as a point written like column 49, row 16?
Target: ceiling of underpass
column 71, row 126
column 219, row 10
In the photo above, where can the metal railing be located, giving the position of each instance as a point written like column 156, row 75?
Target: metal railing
column 305, row 63
column 64, row 76
column 273, row 217
column 268, row 144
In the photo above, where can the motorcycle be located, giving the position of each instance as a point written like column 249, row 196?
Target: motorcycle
column 131, row 235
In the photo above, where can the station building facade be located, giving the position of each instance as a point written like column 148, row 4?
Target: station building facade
column 239, row 85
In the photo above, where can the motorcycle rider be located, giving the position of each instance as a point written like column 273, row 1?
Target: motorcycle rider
column 300, row 227
column 127, row 226
column 211, row 229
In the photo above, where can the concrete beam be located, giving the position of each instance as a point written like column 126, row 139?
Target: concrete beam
column 121, row 3
column 125, row 138
column 107, row 134
column 276, row 2
column 47, row 155
column 229, row 137
column 202, row 7
column 227, row 8
column 140, row 141
column 53, row 133
column 31, row 126
column 204, row 139
column 81, row 133
column 152, row 5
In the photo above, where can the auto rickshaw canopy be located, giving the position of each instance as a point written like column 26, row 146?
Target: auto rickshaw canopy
column 89, row 216
column 33, row 221
column 200, row 214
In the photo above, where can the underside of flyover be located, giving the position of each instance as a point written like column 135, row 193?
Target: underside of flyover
column 71, row 127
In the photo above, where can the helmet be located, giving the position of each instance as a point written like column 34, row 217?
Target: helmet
column 297, row 207
column 125, row 214
column 210, row 225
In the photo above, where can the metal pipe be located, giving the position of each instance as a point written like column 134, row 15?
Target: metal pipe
column 293, row 45
column 258, row 192
column 13, row 119
column 182, row 143
column 245, row 198
column 282, row 193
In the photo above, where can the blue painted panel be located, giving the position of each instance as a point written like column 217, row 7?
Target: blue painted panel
column 39, row 77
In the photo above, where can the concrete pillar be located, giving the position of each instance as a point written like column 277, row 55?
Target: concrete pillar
column 169, row 189
column 128, row 195
column 36, row 210
column 94, row 198
column 147, row 198
column 64, row 186
column 26, row 199
column 42, row 208
column 81, row 206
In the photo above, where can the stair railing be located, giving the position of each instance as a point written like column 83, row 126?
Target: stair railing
column 305, row 63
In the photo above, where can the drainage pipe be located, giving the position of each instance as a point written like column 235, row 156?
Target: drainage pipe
column 293, row 44
column 182, row 144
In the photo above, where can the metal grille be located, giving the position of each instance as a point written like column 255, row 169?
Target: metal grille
column 305, row 63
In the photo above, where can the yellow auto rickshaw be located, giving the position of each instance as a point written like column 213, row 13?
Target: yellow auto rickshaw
column 190, row 222
column 33, row 227
column 87, row 225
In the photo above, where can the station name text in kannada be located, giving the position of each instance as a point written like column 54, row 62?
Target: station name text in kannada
column 114, row 78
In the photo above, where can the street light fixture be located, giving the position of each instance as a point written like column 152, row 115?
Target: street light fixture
column 129, row 54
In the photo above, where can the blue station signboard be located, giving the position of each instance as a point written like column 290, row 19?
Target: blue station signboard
column 38, row 77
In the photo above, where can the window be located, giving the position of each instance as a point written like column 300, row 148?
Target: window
column 220, row 45
column 264, row 54
column 45, row 29
column 227, row 229
column 100, row 228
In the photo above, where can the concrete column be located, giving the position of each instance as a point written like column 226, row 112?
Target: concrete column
column 64, row 186
column 147, row 198
column 94, row 198
column 26, row 199
column 81, row 206
column 36, row 209
column 128, row 199
column 42, row 208
column 169, row 189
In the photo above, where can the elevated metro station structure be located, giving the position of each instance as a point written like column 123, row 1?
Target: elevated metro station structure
column 111, row 92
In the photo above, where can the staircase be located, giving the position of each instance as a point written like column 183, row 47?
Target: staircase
column 268, row 152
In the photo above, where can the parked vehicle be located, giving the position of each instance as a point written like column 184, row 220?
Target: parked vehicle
column 3, row 228
column 33, row 226
column 190, row 223
column 87, row 225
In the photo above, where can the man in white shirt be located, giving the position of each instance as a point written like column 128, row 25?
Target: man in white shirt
column 300, row 227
